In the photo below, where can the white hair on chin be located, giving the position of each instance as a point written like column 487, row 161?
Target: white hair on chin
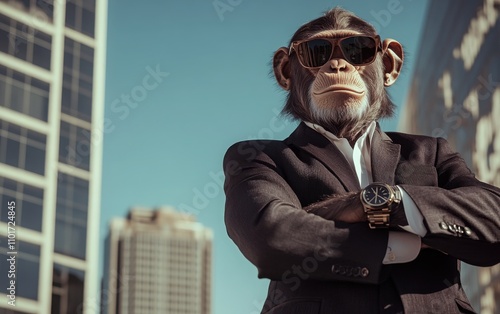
column 347, row 121
column 338, row 114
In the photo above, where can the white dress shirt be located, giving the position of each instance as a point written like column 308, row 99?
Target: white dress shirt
column 402, row 247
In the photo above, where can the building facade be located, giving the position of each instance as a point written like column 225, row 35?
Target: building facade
column 157, row 262
column 455, row 94
column 52, row 63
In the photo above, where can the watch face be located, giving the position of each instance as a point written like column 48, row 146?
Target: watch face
column 376, row 195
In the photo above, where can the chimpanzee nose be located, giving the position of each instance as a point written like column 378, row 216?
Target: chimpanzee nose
column 339, row 65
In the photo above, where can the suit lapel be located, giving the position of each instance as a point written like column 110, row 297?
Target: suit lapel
column 328, row 154
column 384, row 157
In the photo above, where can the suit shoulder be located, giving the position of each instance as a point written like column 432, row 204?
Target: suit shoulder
column 251, row 149
column 403, row 138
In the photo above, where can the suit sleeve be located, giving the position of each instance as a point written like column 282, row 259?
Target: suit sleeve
column 462, row 215
column 264, row 217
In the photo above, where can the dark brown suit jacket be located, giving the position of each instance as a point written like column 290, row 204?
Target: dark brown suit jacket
column 323, row 266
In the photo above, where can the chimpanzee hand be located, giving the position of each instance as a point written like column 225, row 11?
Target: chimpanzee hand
column 345, row 207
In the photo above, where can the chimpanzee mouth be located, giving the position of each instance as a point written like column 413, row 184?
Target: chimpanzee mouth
column 340, row 89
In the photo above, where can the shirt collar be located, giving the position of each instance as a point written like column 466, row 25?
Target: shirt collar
column 364, row 138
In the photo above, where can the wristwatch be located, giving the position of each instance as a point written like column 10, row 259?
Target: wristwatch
column 378, row 200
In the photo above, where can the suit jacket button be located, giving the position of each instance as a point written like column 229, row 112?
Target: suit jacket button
column 364, row 272
column 452, row 228
column 335, row 269
column 349, row 271
column 343, row 270
column 468, row 232
column 356, row 271
column 443, row 225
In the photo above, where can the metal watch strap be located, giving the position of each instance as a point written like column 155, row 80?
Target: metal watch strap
column 378, row 218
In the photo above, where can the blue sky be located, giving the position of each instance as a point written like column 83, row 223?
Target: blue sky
column 185, row 80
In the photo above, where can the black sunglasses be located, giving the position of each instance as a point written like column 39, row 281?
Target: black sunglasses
column 357, row 50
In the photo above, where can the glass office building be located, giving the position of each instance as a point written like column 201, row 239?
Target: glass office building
column 52, row 61
column 455, row 94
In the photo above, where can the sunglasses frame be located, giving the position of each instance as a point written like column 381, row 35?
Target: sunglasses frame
column 335, row 42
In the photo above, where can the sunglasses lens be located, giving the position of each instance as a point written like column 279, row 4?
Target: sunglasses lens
column 358, row 50
column 315, row 53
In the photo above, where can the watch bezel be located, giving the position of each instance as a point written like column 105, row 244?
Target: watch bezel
column 368, row 206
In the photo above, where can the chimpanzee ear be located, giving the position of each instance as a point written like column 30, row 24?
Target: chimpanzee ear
column 281, row 67
column 393, row 60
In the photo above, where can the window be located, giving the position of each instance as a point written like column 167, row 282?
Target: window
column 67, row 290
column 24, row 42
column 74, row 146
column 24, row 94
column 27, row 269
column 29, row 203
column 71, row 216
column 42, row 9
column 76, row 99
column 22, row 148
column 80, row 16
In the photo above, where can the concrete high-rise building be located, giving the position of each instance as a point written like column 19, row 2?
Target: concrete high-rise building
column 52, row 63
column 455, row 94
column 157, row 262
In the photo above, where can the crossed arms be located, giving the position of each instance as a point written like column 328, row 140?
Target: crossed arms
column 267, row 221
